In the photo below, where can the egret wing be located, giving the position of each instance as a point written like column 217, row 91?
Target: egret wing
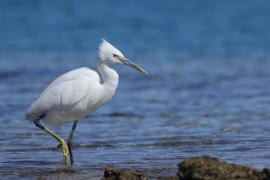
column 64, row 92
column 71, row 75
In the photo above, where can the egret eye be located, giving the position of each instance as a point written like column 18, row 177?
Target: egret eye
column 117, row 57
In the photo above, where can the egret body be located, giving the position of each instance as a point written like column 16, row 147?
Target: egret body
column 77, row 93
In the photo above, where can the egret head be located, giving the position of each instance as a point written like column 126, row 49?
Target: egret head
column 111, row 55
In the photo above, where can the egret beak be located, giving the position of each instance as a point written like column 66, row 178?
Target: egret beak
column 133, row 65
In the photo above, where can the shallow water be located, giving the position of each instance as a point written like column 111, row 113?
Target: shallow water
column 207, row 92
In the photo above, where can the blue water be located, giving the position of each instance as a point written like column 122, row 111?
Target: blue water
column 207, row 93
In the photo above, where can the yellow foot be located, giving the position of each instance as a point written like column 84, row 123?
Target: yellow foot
column 65, row 151
column 59, row 146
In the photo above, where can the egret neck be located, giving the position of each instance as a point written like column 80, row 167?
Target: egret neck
column 109, row 76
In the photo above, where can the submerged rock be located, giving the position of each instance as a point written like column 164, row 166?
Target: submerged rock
column 209, row 168
column 111, row 173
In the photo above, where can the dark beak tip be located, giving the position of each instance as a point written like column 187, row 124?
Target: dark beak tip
column 143, row 71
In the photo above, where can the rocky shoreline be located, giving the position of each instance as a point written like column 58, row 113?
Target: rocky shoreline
column 196, row 168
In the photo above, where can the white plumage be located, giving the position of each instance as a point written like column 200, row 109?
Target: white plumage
column 77, row 93
column 69, row 97
column 81, row 91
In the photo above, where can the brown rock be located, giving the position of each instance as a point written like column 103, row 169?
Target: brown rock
column 111, row 173
column 209, row 168
column 168, row 178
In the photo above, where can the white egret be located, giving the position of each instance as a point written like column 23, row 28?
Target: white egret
column 77, row 93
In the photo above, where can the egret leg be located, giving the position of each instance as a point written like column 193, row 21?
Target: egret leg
column 58, row 138
column 72, row 131
column 69, row 141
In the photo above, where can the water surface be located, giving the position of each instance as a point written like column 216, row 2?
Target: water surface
column 207, row 93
